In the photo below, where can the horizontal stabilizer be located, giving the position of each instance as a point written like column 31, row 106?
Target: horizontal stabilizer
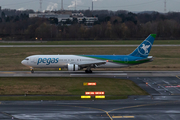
column 150, row 58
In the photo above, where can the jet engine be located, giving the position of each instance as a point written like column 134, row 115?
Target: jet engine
column 73, row 67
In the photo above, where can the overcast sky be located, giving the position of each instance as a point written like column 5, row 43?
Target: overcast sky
column 130, row 5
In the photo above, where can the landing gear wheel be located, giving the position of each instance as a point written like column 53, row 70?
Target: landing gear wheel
column 32, row 71
column 88, row 71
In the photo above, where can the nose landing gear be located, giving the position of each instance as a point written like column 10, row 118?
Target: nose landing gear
column 32, row 71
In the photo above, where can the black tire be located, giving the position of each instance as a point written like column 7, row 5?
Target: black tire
column 88, row 71
column 32, row 71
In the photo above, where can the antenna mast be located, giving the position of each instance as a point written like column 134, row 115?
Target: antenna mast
column 75, row 4
column 40, row 1
column 164, row 6
column 92, row 5
column 62, row 5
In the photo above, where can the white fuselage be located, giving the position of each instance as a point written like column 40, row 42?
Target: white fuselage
column 62, row 61
column 77, row 62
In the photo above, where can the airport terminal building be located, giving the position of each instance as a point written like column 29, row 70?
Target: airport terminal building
column 64, row 17
column 60, row 17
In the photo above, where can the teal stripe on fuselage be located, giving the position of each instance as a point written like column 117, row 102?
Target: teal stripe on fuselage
column 125, row 59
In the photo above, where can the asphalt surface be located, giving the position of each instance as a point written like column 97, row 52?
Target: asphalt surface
column 162, row 103
column 94, row 74
column 90, row 110
column 84, row 45
column 159, row 88
column 159, row 85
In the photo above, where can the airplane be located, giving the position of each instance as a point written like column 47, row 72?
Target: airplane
column 80, row 62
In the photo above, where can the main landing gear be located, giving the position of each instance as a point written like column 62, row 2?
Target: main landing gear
column 32, row 71
column 88, row 70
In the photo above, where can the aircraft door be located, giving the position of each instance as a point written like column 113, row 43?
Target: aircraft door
column 126, row 60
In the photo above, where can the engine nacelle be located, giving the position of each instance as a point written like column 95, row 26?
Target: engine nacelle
column 73, row 67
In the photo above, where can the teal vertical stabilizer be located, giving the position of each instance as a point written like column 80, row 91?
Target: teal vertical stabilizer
column 144, row 49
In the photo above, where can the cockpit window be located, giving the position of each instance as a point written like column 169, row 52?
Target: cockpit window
column 27, row 59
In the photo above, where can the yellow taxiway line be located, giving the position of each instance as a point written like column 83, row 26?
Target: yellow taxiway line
column 122, row 116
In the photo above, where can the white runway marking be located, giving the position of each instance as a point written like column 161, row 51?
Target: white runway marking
column 84, row 45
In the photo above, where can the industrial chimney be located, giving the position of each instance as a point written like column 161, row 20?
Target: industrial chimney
column 62, row 5
column 92, row 5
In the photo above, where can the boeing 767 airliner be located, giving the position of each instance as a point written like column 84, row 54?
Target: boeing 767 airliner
column 79, row 62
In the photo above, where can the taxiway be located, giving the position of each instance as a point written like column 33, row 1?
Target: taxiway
column 94, row 74
column 162, row 102
column 90, row 110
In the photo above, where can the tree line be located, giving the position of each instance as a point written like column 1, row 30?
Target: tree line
column 119, row 25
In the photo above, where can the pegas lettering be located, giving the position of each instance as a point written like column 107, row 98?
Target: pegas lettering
column 44, row 60
column 48, row 61
column 56, row 60
column 39, row 61
column 53, row 60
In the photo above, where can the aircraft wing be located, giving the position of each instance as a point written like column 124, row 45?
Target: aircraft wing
column 91, row 65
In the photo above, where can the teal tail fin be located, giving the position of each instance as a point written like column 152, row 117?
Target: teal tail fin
column 145, row 47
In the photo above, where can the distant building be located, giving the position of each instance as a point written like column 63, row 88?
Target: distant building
column 87, row 20
column 66, row 17
column 76, row 15
column 60, row 17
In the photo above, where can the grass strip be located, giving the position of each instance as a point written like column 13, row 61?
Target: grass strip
column 94, row 42
column 68, row 88
column 42, row 98
column 166, row 58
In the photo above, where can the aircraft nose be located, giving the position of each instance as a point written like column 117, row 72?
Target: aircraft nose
column 23, row 62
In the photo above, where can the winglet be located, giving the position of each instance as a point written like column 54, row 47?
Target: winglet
column 144, row 48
